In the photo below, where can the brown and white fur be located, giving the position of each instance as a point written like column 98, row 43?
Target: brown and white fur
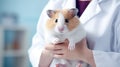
column 64, row 24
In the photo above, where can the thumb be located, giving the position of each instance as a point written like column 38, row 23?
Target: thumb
column 66, row 41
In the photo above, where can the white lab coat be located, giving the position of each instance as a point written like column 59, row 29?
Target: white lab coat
column 101, row 20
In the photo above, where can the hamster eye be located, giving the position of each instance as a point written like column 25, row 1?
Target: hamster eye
column 56, row 20
column 66, row 20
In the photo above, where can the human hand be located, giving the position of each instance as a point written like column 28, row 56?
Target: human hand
column 81, row 52
column 61, row 50
column 46, row 58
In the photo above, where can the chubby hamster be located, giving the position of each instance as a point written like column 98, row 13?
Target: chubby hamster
column 64, row 24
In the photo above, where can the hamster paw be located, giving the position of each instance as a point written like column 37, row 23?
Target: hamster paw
column 71, row 46
column 61, row 65
column 56, row 40
column 79, row 65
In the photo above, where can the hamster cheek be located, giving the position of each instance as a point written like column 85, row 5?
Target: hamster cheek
column 66, row 29
column 56, row 30
column 50, row 25
column 73, row 23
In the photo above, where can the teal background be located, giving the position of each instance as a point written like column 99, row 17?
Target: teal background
column 28, row 12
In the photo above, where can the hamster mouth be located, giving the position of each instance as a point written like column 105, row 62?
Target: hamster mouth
column 62, row 32
column 61, row 29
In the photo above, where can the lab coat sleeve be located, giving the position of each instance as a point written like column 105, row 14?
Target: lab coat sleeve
column 38, row 42
column 36, row 50
column 110, row 59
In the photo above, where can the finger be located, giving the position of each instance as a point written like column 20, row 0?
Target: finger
column 49, row 47
column 66, row 41
column 53, row 47
column 82, row 44
column 61, row 46
column 79, row 65
column 59, row 43
column 58, row 52
column 59, row 56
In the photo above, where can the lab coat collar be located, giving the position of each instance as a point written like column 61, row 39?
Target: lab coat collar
column 91, row 11
column 100, row 1
column 67, row 4
column 72, row 3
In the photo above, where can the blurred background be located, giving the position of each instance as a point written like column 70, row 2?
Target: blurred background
column 18, row 20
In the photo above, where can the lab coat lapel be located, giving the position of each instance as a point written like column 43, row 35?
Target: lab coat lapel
column 91, row 11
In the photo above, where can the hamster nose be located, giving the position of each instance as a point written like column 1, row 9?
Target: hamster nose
column 61, row 29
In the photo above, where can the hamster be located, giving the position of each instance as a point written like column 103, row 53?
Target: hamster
column 64, row 24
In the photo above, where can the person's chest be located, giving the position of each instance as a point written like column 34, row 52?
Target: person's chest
column 99, row 25
column 100, row 31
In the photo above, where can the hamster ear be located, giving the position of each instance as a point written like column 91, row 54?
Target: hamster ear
column 50, row 13
column 73, row 12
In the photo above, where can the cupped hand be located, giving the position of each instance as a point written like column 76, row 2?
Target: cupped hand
column 61, row 50
column 81, row 51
